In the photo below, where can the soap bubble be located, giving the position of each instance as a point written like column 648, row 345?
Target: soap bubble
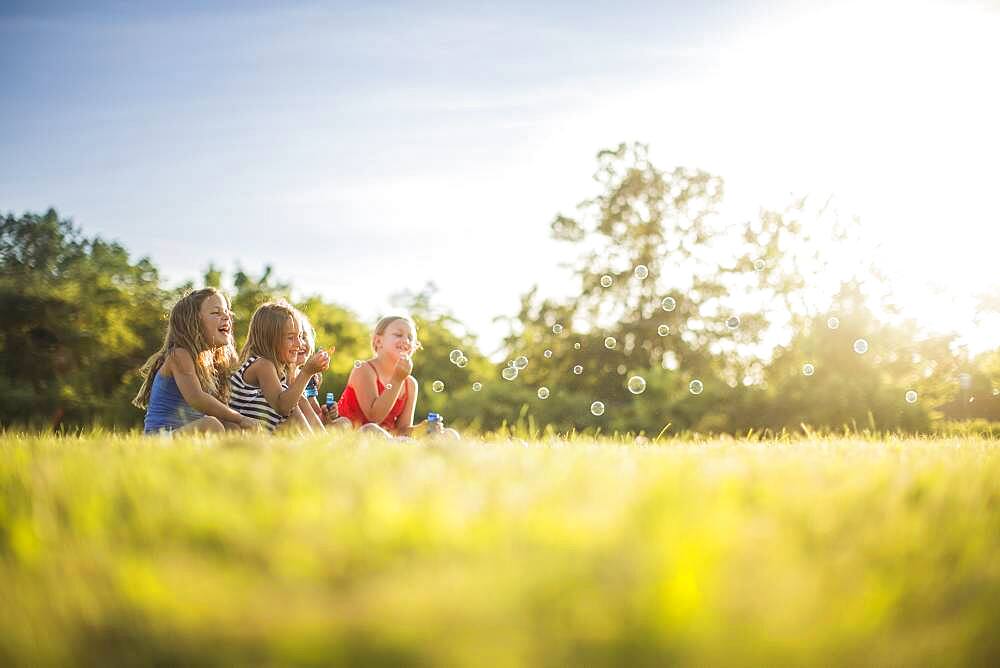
column 462, row 362
column 641, row 272
column 547, row 354
column 668, row 303
column 808, row 369
column 663, row 330
column 509, row 373
column 576, row 346
column 636, row 384
column 557, row 328
column 911, row 397
column 606, row 281
column 996, row 393
column 861, row 346
column 357, row 364
column 733, row 322
column 597, row 408
column 578, row 369
column 759, row 264
column 437, row 386
column 455, row 355
column 622, row 369
column 543, row 393
column 696, row 387
column 476, row 386
column 833, row 322
column 610, row 343
column 521, row 362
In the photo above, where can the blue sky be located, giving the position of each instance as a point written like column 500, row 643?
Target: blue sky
column 364, row 151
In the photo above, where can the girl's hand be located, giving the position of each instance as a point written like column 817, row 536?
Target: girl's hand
column 329, row 414
column 319, row 361
column 249, row 423
column 403, row 368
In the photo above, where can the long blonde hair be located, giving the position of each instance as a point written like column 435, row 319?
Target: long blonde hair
column 264, row 338
column 184, row 331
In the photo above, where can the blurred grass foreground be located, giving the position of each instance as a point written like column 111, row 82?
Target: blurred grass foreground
column 122, row 550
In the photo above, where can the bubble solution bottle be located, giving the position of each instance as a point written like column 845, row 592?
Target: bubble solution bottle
column 435, row 424
column 330, row 400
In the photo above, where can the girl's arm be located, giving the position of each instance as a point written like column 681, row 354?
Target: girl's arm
column 404, row 424
column 181, row 367
column 282, row 400
column 376, row 407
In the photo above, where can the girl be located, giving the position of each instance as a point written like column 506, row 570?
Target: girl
column 184, row 383
column 381, row 395
column 263, row 387
column 316, row 415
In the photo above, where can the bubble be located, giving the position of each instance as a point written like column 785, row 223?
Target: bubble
column 808, row 369
column 509, row 373
column 636, row 385
column 455, row 355
column 576, row 346
column 911, row 397
column 861, row 346
column 606, row 281
column 578, row 369
column 759, row 264
column 996, row 393
column 547, row 354
column 543, row 393
column 610, row 343
column 696, row 387
column 520, row 362
column 641, row 272
column 733, row 322
column 833, row 322
column 663, row 330
column 668, row 303
column 437, row 386
column 557, row 328
column 462, row 362
column 357, row 364
column 597, row 408
column 622, row 369
column 476, row 386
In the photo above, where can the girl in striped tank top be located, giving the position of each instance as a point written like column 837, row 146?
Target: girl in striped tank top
column 264, row 387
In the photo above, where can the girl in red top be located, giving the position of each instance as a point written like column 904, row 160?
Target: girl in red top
column 381, row 395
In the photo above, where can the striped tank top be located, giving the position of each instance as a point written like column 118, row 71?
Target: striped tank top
column 248, row 400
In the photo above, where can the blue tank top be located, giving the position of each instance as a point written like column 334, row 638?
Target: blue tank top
column 167, row 409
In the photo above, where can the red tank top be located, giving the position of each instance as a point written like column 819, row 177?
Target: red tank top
column 349, row 408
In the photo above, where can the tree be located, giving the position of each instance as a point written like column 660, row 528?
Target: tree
column 79, row 316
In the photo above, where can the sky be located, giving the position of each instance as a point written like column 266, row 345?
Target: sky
column 365, row 151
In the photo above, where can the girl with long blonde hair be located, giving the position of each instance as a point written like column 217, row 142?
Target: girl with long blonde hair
column 266, row 386
column 184, row 384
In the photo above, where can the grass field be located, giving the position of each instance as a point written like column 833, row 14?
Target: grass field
column 124, row 550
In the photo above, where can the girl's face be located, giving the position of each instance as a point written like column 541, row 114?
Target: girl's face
column 290, row 342
column 216, row 321
column 397, row 340
column 303, row 354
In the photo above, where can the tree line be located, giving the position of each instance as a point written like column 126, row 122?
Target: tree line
column 757, row 312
